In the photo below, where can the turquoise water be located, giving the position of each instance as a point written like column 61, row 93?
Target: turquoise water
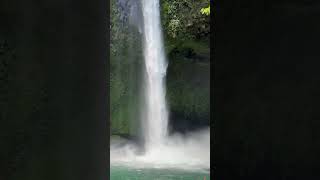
column 125, row 173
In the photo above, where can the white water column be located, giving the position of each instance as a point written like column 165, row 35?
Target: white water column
column 156, row 114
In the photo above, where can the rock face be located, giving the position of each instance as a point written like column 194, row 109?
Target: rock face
column 188, row 91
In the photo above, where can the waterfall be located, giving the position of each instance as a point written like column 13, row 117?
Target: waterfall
column 190, row 151
column 156, row 114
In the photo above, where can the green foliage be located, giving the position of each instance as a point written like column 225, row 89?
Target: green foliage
column 182, row 19
column 125, row 70
column 205, row 11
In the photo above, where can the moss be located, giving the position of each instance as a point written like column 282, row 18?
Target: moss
column 188, row 87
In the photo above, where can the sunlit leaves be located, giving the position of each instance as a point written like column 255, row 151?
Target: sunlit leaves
column 205, row 11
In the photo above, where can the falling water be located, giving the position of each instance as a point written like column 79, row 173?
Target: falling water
column 190, row 151
column 156, row 116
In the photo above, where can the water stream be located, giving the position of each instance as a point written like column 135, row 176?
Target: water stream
column 155, row 120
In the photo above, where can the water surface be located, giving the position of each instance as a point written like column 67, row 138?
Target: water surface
column 126, row 173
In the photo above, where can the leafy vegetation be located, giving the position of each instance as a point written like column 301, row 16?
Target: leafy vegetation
column 206, row 10
column 182, row 19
